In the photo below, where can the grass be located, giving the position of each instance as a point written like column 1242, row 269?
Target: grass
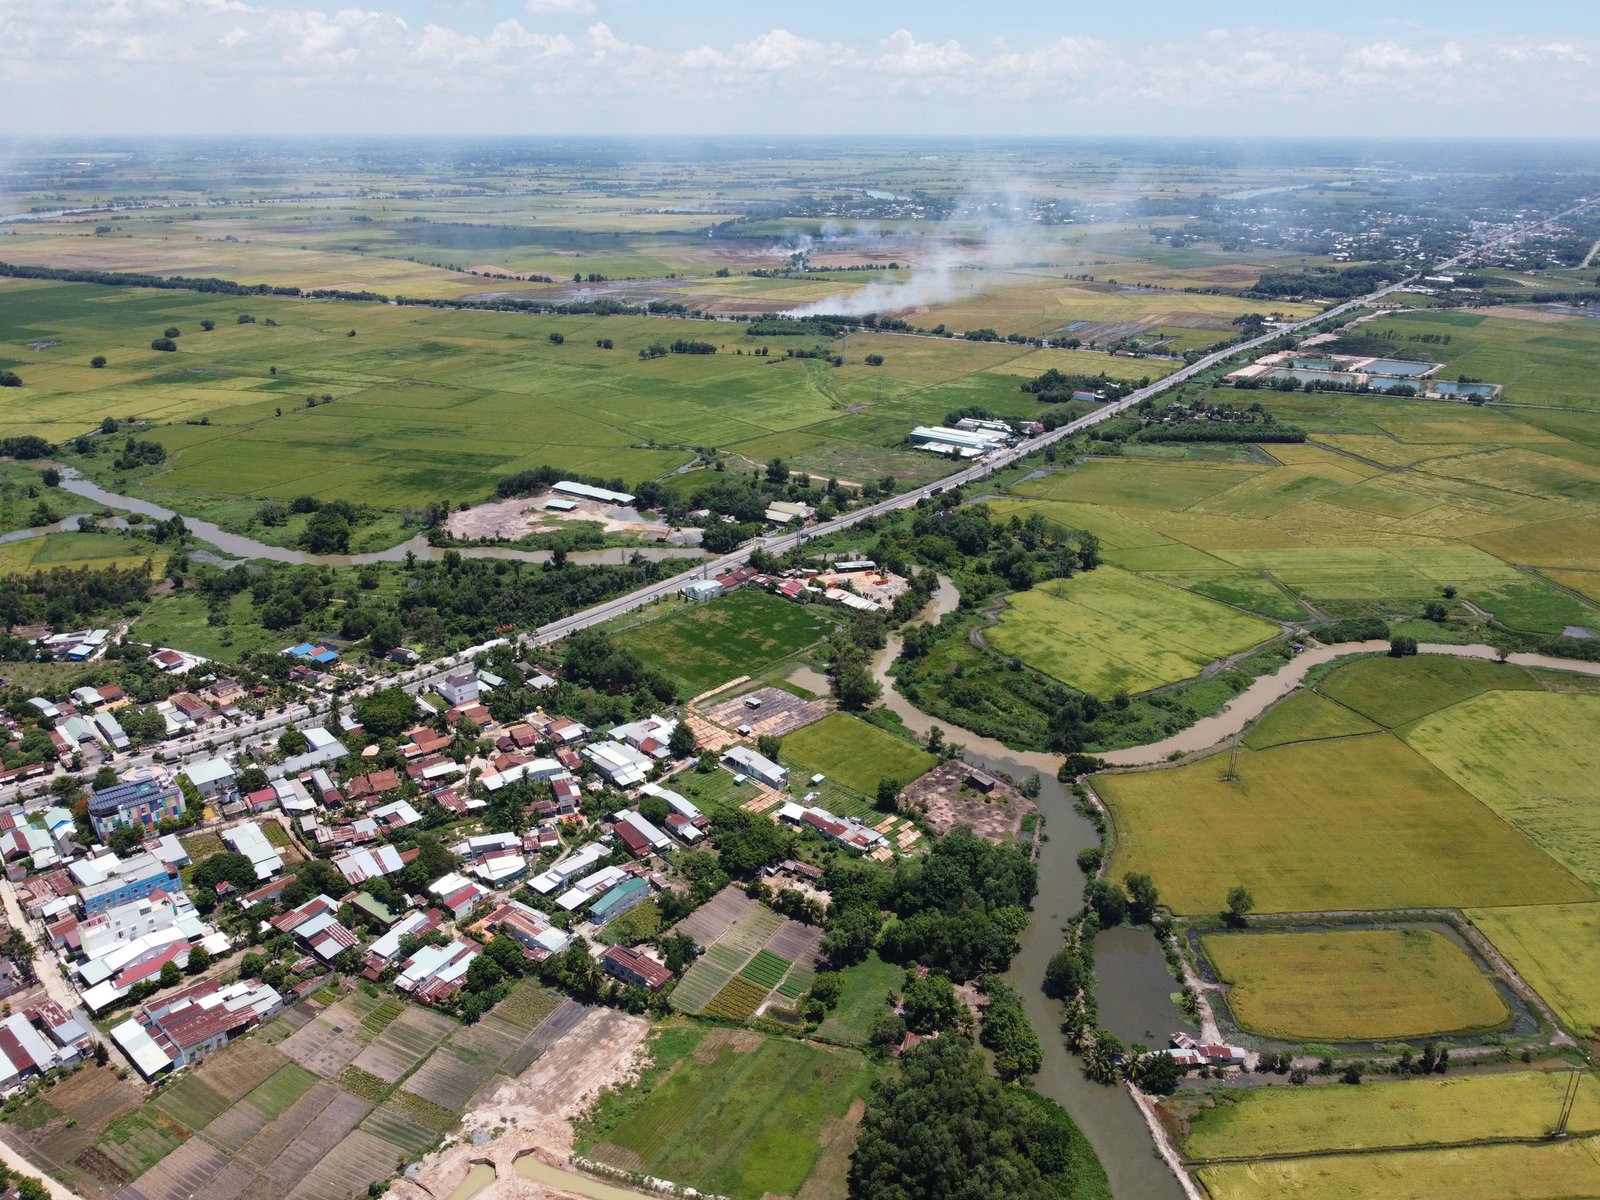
column 1530, row 756
column 703, row 645
column 640, row 923
column 1397, row 691
column 281, row 1089
column 192, row 1102
column 1306, row 717
column 1560, row 1171
column 1556, row 949
column 1353, row 984
column 861, row 1001
column 136, row 1141
column 855, row 754
column 1386, row 1115
column 1109, row 630
column 1358, row 823
column 743, row 1120
column 70, row 550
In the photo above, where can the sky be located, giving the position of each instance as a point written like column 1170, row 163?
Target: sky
column 1363, row 68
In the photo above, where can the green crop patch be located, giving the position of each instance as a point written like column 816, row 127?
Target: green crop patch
column 766, row 969
column 1306, row 717
column 1109, row 630
column 1353, row 984
column 737, row 1001
column 701, row 646
column 1397, row 691
column 848, row 751
column 721, row 1121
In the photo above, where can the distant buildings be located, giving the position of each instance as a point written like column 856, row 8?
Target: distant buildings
column 965, row 443
column 747, row 761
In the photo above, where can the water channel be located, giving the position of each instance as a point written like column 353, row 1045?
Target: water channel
column 1129, row 993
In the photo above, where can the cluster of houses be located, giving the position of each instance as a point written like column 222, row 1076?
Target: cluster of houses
column 856, row 584
column 1190, row 1053
column 970, row 438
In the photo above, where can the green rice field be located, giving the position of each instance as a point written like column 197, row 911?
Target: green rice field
column 1109, row 630
column 1556, row 949
column 855, row 754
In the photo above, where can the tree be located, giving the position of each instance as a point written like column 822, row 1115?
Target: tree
column 98, row 361
column 1142, row 896
column 653, row 809
column 170, row 976
column 222, row 866
column 930, row 1003
column 387, row 712
column 252, row 779
column 1433, row 610
column 944, row 1129
column 1402, row 646
column 851, row 934
column 1240, row 904
column 199, row 960
column 208, row 324
column 682, row 742
column 888, row 794
column 769, row 746
column 1110, row 903
column 105, row 777
column 1008, row 1032
column 163, row 343
column 171, row 331
column 327, row 532
column 101, row 1054
column 12, row 379
column 292, row 742
column 51, row 477
column 678, row 949
column 777, row 471
column 1160, row 1075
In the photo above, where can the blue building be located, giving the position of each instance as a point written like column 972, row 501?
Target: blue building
column 141, row 803
column 137, row 878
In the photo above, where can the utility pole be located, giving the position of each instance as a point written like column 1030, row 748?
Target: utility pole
column 1233, row 760
column 1568, row 1100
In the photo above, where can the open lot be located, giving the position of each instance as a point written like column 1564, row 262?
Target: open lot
column 1383, row 1115
column 1359, row 822
column 1109, row 630
column 1353, row 984
column 717, row 1122
column 946, row 799
column 703, row 645
column 855, row 754
column 867, row 986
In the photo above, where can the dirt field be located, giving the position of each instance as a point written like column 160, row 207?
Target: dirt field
column 535, row 1111
column 946, row 800
column 517, row 518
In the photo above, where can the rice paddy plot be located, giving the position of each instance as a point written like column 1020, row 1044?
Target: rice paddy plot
column 1305, row 717
column 1397, row 691
column 1532, row 757
column 1109, row 630
column 848, row 751
column 1556, row 950
column 1138, row 485
column 1553, row 1171
column 1358, row 822
column 1382, row 1115
column 1349, row 985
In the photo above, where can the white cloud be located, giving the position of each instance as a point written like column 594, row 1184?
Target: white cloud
column 904, row 55
column 560, row 8
column 1552, row 52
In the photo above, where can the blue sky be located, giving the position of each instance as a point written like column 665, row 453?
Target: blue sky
column 640, row 67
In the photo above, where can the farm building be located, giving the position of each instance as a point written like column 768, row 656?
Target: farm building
column 781, row 512
column 941, row 439
column 529, row 928
column 757, row 766
column 649, row 736
column 846, row 831
column 386, row 948
column 25, row 1052
column 582, row 490
column 703, row 589
column 183, row 1027
column 630, row 966
column 434, row 972
column 619, row 900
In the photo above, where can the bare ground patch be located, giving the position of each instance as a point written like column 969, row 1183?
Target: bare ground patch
column 947, row 799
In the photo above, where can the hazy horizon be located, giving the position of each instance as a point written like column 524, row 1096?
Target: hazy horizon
column 594, row 68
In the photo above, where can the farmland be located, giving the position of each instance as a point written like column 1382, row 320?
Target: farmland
column 855, row 754
column 1308, row 717
column 1530, row 756
column 1109, row 631
column 1553, row 1171
column 719, row 1120
column 862, row 1001
column 1556, row 948
column 702, row 646
column 751, row 954
column 1353, row 985
column 1395, row 692
column 1383, row 1115
column 1360, row 822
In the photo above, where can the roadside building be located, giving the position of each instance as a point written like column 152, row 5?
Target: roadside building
column 631, row 966
column 757, row 766
column 182, row 1028
column 703, row 589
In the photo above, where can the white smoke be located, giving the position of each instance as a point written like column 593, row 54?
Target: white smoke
column 996, row 234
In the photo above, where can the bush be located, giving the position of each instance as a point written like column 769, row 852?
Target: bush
column 171, row 331
column 163, row 343
column 98, row 361
column 10, row 379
